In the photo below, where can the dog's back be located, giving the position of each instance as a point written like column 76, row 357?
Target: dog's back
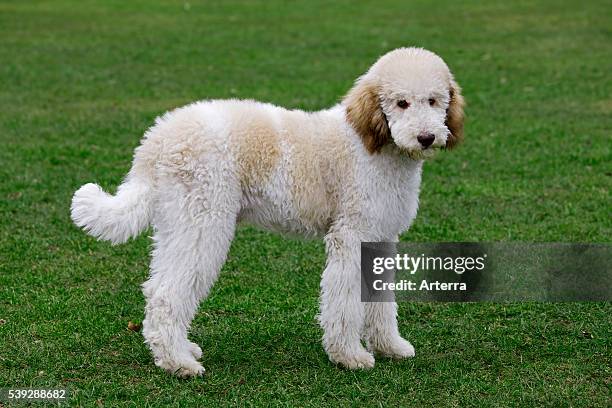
column 291, row 167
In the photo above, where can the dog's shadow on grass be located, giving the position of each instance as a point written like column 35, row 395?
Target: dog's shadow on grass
column 258, row 345
column 255, row 348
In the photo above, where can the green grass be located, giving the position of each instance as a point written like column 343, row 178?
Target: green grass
column 81, row 82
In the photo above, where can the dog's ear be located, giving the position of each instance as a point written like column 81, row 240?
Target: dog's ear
column 454, row 115
column 365, row 115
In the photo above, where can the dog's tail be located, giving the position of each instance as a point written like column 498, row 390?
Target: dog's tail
column 114, row 218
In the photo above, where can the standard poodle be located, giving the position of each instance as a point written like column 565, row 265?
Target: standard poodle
column 349, row 174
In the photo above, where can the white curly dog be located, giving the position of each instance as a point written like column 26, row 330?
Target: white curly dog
column 350, row 173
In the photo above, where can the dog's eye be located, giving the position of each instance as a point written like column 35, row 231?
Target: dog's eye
column 432, row 101
column 403, row 104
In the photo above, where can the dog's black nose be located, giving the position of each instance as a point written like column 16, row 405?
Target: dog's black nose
column 426, row 139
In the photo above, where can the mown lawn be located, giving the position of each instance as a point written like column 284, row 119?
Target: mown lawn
column 80, row 83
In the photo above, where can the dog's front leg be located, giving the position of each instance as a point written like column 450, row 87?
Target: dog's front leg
column 342, row 312
column 381, row 332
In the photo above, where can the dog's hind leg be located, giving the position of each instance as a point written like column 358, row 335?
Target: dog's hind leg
column 192, row 238
column 342, row 312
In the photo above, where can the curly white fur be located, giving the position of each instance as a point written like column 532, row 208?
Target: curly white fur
column 350, row 173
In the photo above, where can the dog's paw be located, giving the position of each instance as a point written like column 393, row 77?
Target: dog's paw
column 360, row 359
column 195, row 370
column 184, row 368
column 394, row 348
column 195, row 350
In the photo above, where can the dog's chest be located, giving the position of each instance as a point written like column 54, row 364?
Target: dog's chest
column 391, row 197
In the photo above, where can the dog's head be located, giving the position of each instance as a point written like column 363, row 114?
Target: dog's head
column 409, row 98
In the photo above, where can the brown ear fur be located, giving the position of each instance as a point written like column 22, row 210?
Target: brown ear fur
column 455, row 116
column 364, row 113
